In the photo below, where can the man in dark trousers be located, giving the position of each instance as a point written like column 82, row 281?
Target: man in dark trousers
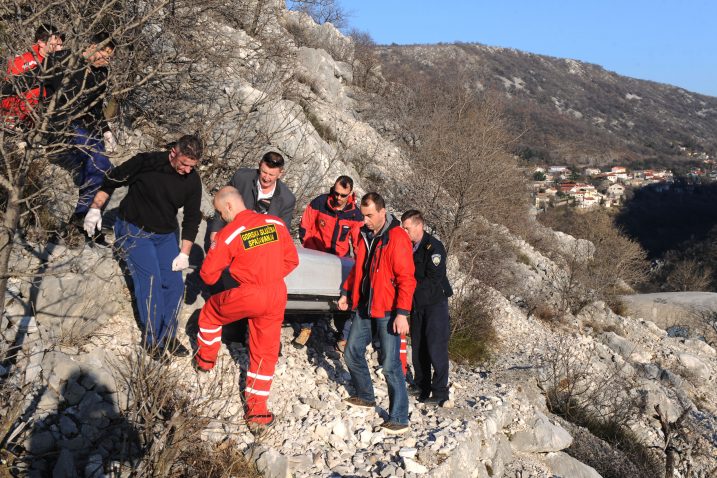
column 260, row 253
column 262, row 191
column 379, row 289
column 429, row 319
column 147, row 233
column 331, row 223
column 78, row 119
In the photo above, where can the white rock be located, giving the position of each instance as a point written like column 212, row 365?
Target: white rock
column 541, row 436
column 407, row 452
column 566, row 466
column 414, row 467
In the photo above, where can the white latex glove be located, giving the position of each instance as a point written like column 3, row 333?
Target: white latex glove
column 93, row 221
column 180, row 262
column 110, row 143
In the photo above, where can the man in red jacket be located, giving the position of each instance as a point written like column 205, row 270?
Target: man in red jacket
column 22, row 92
column 379, row 289
column 259, row 252
column 331, row 223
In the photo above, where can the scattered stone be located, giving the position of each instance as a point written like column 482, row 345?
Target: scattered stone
column 65, row 465
column 414, row 467
column 94, row 467
column 407, row 452
column 40, row 443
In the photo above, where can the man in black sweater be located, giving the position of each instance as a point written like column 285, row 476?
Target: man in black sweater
column 146, row 233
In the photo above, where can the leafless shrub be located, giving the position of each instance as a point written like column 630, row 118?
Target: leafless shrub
column 322, row 11
column 365, row 63
column 610, row 267
column 166, row 414
column 687, row 274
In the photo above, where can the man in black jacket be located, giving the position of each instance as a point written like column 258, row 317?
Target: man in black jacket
column 262, row 191
column 146, row 233
column 79, row 86
column 430, row 328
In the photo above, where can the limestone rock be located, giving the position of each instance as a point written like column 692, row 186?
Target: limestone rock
column 565, row 466
column 541, row 436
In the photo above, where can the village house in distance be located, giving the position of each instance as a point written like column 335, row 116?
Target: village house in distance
column 560, row 186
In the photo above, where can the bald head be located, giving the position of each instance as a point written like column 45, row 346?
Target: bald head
column 228, row 202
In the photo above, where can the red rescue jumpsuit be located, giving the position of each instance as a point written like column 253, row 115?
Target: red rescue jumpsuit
column 260, row 253
column 17, row 108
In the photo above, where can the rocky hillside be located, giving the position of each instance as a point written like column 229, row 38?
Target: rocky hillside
column 87, row 400
column 572, row 112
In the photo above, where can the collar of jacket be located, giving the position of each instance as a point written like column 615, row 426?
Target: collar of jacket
column 391, row 222
column 350, row 204
column 255, row 187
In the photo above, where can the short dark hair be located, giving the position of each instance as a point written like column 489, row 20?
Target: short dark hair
column 45, row 31
column 414, row 214
column 345, row 182
column 374, row 198
column 190, row 146
column 273, row 159
column 101, row 37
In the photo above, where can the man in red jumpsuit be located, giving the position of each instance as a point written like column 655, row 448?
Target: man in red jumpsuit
column 259, row 252
column 23, row 91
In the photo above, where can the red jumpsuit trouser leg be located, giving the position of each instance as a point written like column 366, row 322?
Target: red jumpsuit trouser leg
column 264, row 307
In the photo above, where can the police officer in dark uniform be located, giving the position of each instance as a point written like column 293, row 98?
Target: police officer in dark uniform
column 429, row 319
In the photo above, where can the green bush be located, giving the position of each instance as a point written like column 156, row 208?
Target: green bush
column 473, row 336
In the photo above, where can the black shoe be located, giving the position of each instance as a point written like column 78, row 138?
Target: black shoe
column 439, row 402
column 415, row 391
column 175, row 347
column 155, row 352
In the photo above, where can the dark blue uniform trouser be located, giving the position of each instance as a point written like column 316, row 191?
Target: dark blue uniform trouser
column 91, row 163
column 158, row 290
column 430, row 329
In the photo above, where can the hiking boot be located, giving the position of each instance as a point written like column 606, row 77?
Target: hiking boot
column 300, row 341
column 415, row 391
column 198, row 368
column 175, row 347
column 259, row 423
column 393, row 428
column 359, row 402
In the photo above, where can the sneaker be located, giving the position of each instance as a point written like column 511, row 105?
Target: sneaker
column 359, row 402
column 393, row 428
column 341, row 346
column 175, row 347
column 300, row 341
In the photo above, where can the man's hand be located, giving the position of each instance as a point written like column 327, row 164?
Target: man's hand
column 180, row 262
column 110, row 143
column 400, row 325
column 93, row 221
column 343, row 303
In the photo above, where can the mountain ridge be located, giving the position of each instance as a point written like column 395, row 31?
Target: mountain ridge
column 572, row 111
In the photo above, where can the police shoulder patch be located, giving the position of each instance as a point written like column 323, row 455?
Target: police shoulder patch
column 436, row 259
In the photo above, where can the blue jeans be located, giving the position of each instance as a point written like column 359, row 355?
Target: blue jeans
column 355, row 356
column 158, row 290
column 92, row 165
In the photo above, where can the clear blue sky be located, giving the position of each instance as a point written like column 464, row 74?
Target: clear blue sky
column 671, row 41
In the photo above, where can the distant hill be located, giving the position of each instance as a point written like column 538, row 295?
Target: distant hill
column 574, row 112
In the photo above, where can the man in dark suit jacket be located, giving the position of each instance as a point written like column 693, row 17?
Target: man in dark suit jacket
column 262, row 191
